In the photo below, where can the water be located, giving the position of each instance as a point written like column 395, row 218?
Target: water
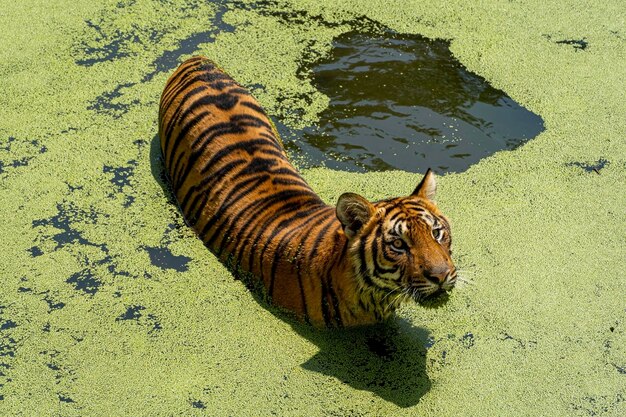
column 404, row 102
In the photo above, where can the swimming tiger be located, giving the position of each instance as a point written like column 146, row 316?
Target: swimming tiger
column 341, row 266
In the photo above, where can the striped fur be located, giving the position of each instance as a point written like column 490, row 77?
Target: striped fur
column 342, row 266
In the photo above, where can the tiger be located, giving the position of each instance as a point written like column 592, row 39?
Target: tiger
column 343, row 266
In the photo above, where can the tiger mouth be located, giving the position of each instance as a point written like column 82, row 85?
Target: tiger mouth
column 433, row 299
column 417, row 293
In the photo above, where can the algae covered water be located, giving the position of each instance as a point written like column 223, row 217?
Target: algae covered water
column 404, row 102
column 111, row 306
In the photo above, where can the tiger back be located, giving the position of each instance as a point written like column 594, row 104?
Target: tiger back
column 332, row 266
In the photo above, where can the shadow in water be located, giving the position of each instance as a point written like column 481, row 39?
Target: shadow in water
column 388, row 360
column 158, row 170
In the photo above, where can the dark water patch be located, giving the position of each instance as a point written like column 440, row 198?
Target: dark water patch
column 73, row 188
column 108, row 104
column 286, row 13
column 197, row 404
column 165, row 259
column 14, row 164
column 601, row 405
column 171, row 59
column 275, row 9
column 7, row 347
column 18, row 153
column 67, row 215
column 102, row 39
column 578, row 44
column 24, row 289
column 35, row 251
column 112, row 268
column 122, row 178
column 53, row 305
column 141, row 143
column 156, row 326
column 53, row 367
column 85, row 281
column 68, row 130
column 468, row 340
column 404, row 102
column 519, row 343
column 430, row 342
column 132, row 313
column 5, row 145
column 128, row 201
column 65, row 399
column 7, row 343
column 110, row 48
column 121, row 174
column 591, row 167
column 8, row 324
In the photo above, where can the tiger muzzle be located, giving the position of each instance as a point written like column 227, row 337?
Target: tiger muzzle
column 443, row 276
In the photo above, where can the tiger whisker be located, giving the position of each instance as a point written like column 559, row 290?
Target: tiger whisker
column 389, row 293
column 465, row 280
column 393, row 302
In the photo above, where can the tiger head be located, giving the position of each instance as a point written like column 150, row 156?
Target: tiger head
column 400, row 247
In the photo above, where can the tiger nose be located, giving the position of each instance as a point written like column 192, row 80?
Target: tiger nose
column 437, row 274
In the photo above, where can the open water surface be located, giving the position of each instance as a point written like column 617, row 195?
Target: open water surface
column 404, row 102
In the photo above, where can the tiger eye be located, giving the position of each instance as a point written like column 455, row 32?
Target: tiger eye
column 398, row 244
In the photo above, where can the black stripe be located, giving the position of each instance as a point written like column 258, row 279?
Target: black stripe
column 363, row 267
column 180, row 172
column 177, row 83
column 324, row 304
column 254, row 107
column 252, row 211
column 232, row 198
column 189, row 124
column 244, row 235
column 249, row 214
column 321, row 234
column 221, row 85
column 299, row 216
column 395, row 216
column 240, row 90
column 210, row 179
column 250, row 146
column 312, row 222
column 335, row 303
column 179, row 115
column 223, row 101
column 377, row 267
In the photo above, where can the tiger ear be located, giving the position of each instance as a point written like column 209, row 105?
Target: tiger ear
column 427, row 188
column 353, row 211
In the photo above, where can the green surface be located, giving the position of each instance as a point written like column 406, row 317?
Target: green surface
column 91, row 327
